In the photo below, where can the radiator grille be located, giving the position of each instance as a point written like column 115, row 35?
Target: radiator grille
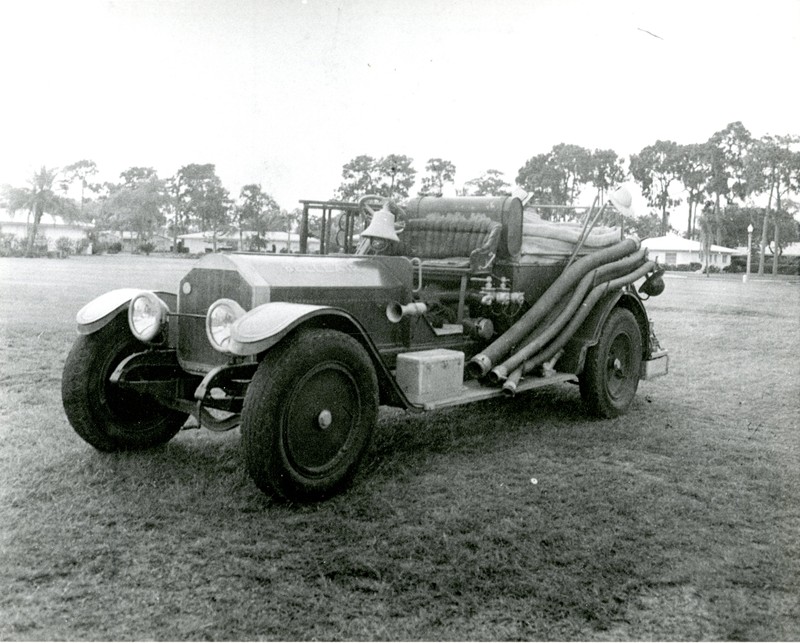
column 204, row 288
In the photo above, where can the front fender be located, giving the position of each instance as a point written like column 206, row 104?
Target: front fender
column 101, row 310
column 264, row 326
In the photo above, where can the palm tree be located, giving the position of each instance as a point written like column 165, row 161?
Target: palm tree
column 36, row 199
column 707, row 234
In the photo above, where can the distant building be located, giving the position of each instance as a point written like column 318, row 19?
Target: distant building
column 51, row 228
column 673, row 250
column 130, row 241
column 791, row 250
column 275, row 241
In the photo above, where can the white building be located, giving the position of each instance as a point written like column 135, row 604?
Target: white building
column 51, row 228
column 130, row 241
column 673, row 250
column 276, row 241
column 792, row 250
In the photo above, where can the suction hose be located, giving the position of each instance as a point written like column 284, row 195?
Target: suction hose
column 510, row 385
column 539, row 338
column 482, row 363
column 586, row 307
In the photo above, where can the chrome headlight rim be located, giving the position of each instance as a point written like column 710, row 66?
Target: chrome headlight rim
column 147, row 316
column 220, row 318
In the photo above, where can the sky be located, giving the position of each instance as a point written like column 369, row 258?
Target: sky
column 285, row 92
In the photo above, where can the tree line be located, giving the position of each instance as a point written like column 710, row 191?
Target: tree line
column 192, row 200
column 717, row 180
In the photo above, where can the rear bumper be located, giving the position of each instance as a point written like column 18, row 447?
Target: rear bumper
column 656, row 366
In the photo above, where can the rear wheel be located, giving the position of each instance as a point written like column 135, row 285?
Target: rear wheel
column 308, row 415
column 106, row 416
column 611, row 374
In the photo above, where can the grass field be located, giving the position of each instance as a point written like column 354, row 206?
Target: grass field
column 680, row 520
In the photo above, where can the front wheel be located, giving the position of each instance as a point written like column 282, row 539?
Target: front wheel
column 611, row 374
column 308, row 415
column 106, row 416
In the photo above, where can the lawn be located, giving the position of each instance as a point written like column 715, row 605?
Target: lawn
column 510, row 519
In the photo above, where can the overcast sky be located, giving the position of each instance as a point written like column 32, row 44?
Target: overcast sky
column 284, row 92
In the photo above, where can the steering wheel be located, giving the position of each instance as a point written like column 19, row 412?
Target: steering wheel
column 368, row 208
column 369, row 204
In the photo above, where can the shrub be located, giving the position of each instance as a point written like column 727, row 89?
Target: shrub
column 114, row 248
column 257, row 244
column 39, row 248
column 790, row 267
column 685, row 267
column 786, row 265
column 10, row 246
column 81, row 245
column 64, row 247
column 147, row 247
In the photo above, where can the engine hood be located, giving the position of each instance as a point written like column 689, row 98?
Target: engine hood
column 361, row 286
column 262, row 274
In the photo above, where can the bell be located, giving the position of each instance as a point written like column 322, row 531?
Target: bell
column 621, row 199
column 382, row 225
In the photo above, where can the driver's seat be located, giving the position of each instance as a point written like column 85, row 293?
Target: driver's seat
column 452, row 246
column 452, row 249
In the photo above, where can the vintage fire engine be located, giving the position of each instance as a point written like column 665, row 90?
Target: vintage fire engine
column 438, row 302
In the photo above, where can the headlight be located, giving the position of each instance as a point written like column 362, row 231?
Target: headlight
column 147, row 315
column 219, row 319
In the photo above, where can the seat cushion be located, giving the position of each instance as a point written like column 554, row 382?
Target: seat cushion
column 448, row 237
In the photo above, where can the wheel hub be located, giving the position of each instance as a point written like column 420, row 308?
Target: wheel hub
column 324, row 419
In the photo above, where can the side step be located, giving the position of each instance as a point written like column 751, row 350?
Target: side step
column 474, row 391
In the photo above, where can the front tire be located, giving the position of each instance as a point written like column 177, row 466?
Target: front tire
column 611, row 374
column 308, row 415
column 106, row 416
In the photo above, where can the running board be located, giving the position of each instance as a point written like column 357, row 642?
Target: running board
column 474, row 391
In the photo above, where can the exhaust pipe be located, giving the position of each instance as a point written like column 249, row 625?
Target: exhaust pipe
column 482, row 363
column 395, row 311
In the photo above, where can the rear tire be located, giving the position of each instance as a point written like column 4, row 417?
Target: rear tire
column 308, row 415
column 106, row 416
column 610, row 376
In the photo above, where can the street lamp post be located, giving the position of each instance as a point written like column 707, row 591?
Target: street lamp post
column 749, row 246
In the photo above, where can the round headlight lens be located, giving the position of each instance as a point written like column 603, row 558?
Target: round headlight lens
column 219, row 320
column 147, row 315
